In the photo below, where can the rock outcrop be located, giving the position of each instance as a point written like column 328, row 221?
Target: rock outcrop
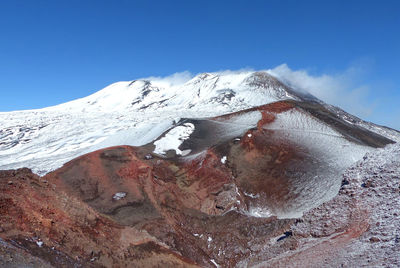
column 235, row 198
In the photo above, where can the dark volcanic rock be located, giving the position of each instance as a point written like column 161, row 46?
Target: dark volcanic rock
column 229, row 202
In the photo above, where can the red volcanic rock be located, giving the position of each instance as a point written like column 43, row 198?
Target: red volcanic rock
column 61, row 231
column 277, row 107
column 228, row 202
column 185, row 205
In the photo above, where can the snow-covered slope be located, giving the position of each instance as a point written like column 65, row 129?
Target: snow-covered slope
column 130, row 113
column 298, row 144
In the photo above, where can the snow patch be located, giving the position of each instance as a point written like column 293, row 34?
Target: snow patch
column 259, row 212
column 119, row 195
column 216, row 264
column 173, row 139
column 223, row 159
column 251, row 195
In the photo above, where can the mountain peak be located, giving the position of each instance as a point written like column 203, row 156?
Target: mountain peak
column 135, row 113
column 152, row 166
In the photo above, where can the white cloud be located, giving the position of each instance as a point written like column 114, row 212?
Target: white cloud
column 344, row 89
column 181, row 78
column 229, row 72
column 175, row 79
column 340, row 89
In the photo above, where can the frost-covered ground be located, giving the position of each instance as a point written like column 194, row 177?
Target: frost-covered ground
column 375, row 181
column 328, row 150
column 360, row 227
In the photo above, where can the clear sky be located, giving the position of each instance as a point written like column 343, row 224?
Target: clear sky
column 56, row 51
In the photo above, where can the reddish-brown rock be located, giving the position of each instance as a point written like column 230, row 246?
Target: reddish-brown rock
column 128, row 207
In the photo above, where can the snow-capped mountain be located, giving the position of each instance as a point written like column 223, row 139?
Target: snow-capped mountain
column 226, row 169
column 135, row 113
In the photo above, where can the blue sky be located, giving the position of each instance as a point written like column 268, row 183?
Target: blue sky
column 56, row 51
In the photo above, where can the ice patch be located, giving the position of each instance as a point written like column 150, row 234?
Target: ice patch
column 173, row 139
